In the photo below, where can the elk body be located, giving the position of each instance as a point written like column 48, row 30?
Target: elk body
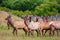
column 16, row 25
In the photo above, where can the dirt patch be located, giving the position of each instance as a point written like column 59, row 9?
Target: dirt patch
column 4, row 14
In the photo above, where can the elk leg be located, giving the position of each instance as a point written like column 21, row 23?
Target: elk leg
column 14, row 31
column 52, row 29
column 51, row 32
column 57, row 32
column 8, row 25
column 32, row 33
column 41, row 32
column 45, row 32
column 37, row 32
column 26, row 31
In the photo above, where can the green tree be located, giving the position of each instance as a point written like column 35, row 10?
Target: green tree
column 46, row 9
column 21, row 4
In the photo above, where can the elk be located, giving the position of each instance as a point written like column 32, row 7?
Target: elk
column 32, row 25
column 17, row 25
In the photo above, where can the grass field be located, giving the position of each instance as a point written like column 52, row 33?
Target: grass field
column 7, row 35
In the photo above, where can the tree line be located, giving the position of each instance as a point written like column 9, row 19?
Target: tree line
column 35, row 7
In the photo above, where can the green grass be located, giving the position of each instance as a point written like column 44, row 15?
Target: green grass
column 6, row 34
column 2, row 27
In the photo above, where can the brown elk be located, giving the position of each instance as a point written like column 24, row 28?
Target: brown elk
column 56, row 25
column 54, row 21
column 17, row 25
column 32, row 25
column 46, row 25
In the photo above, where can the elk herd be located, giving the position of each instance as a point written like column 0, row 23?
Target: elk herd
column 30, row 23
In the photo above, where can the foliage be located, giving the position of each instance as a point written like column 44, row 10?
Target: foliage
column 35, row 7
column 45, row 9
column 21, row 4
column 4, row 9
column 15, row 12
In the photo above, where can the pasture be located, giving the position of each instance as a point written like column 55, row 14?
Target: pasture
column 6, row 34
